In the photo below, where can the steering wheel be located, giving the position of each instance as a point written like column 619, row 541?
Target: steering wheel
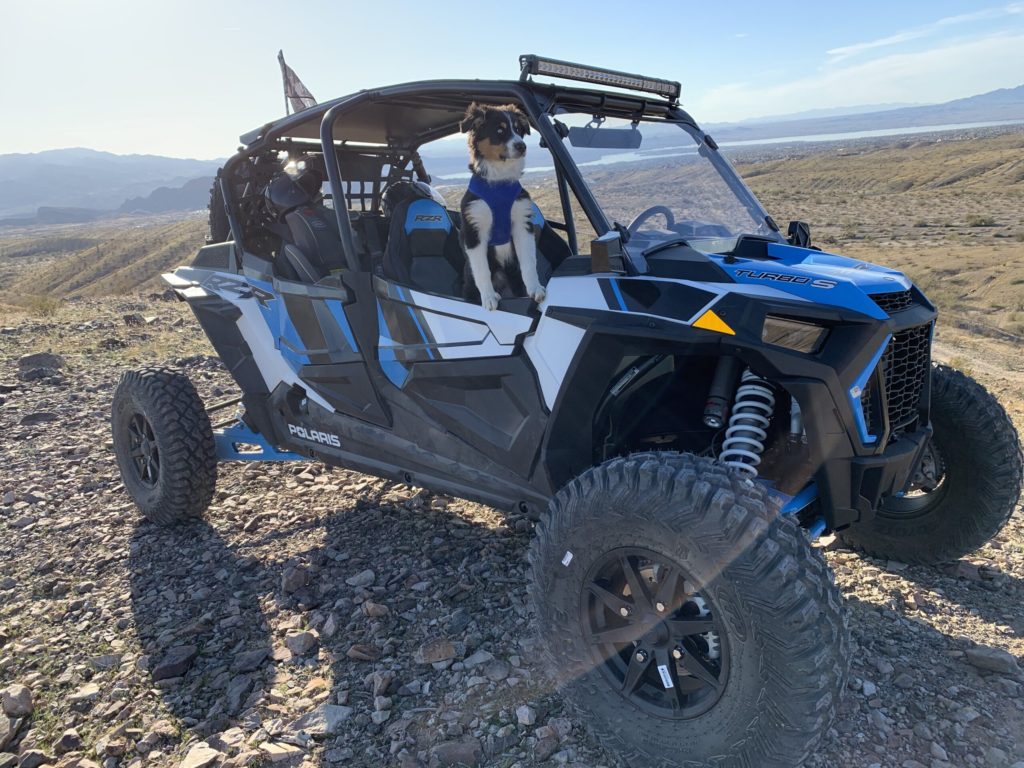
column 654, row 210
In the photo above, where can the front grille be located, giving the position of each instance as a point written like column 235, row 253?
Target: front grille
column 893, row 302
column 905, row 364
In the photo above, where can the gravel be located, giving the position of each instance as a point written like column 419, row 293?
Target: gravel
column 323, row 617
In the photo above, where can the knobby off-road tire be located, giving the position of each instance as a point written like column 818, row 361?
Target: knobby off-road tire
column 220, row 229
column 783, row 626
column 164, row 445
column 979, row 463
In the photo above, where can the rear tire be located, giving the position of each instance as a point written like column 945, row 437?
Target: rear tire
column 975, row 489
column 220, row 228
column 779, row 625
column 164, row 445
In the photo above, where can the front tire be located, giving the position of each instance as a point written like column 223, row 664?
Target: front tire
column 684, row 618
column 967, row 488
column 164, row 445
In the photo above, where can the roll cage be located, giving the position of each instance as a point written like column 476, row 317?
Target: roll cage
column 387, row 126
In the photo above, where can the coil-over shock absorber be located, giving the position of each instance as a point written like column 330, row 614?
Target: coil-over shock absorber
column 747, row 432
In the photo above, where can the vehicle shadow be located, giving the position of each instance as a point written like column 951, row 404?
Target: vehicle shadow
column 199, row 621
column 244, row 633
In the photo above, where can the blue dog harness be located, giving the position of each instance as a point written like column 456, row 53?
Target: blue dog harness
column 499, row 197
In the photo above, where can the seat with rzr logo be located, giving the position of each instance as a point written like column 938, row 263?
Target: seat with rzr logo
column 423, row 248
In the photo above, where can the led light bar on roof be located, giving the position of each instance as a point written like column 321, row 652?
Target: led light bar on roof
column 532, row 64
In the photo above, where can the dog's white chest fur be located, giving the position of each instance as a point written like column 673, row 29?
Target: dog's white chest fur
column 479, row 215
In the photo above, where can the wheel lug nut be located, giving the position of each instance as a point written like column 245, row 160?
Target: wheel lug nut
column 677, row 653
column 660, row 607
column 641, row 656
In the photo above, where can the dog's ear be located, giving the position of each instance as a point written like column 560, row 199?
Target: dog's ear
column 475, row 115
column 522, row 124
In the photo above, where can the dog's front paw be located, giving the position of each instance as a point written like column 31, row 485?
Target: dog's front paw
column 489, row 301
column 538, row 294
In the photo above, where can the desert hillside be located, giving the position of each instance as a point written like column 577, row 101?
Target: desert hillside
column 110, row 258
column 948, row 211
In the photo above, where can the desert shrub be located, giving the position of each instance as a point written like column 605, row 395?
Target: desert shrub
column 977, row 220
column 41, row 304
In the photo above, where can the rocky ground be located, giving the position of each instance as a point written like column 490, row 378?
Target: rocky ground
column 322, row 617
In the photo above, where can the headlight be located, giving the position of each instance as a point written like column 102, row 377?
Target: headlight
column 793, row 334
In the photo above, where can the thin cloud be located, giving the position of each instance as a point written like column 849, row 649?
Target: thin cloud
column 847, row 51
column 938, row 74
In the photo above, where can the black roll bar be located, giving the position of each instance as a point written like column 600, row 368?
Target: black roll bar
column 536, row 98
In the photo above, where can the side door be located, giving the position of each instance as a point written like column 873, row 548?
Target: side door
column 465, row 366
column 316, row 339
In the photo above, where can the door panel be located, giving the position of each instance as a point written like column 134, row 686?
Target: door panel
column 461, row 364
column 492, row 403
column 314, row 334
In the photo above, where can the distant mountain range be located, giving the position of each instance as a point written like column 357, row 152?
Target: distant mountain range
column 70, row 185
column 191, row 196
column 1003, row 104
column 447, row 160
column 808, row 114
column 91, row 180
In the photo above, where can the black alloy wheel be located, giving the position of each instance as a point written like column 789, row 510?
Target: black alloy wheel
column 655, row 636
column 144, row 452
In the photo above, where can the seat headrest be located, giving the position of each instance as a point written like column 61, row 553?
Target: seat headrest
column 425, row 214
column 284, row 194
column 400, row 191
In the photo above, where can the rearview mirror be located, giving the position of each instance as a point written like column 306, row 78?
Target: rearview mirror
column 595, row 137
column 799, row 234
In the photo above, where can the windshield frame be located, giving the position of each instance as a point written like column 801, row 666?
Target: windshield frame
column 591, row 204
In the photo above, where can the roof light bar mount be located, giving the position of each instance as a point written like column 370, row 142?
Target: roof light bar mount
column 532, row 64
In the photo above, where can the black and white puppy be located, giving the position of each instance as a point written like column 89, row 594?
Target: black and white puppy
column 497, row 214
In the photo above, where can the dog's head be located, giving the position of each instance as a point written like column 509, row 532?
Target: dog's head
column 495, row 134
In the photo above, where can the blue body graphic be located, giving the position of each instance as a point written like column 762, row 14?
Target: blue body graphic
column 857, row 390
column 823, row 278
column 227, row 442
column 396, row 372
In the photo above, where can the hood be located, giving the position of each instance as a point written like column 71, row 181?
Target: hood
column 820, row 277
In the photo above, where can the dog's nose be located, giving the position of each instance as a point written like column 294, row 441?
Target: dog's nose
column 520, row 147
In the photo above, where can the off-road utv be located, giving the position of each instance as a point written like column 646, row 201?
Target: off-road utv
column 696, row 401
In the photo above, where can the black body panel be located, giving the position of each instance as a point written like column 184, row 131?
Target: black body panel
column 491, row 403
column 347, row 387
column 414, row 451
column 218, row 319
column 818, row 382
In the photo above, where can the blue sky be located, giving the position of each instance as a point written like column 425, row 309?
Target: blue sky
column 186, row 77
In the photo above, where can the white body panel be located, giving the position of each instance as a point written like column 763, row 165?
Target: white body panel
column 551, row 350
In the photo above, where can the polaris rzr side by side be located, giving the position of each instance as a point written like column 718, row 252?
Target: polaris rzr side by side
column 695, row 400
